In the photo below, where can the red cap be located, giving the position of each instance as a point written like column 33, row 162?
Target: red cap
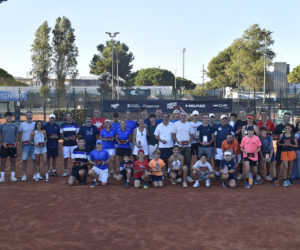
column 141, row 151
column 251, row 117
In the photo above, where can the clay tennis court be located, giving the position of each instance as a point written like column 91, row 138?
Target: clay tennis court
column 55, row 216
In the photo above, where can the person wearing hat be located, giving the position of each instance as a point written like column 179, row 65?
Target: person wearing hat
column 228, row 170
column 90, row 133
column 212, row 119
column 53, row 135
column 176, row 116
column 250, row 147
column 195, row 124
column 221, row 133
column 99, row 159
column 250, row 122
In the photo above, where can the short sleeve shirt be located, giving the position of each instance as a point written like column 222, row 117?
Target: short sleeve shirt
column 157, row 165
column 26, row 129
column 221, row 134
column 141, row 167
column 207, row 131
column 98, row 157
column 183, row 132
column 250, row 145
column 164, row 132
column 203, row 167
column 8, row 132
column 69, row 130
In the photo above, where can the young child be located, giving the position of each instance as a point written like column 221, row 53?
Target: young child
column 177, row 169
column 38, row 139
column 157, row 167
column 80, row 158
column 141, row 170
column 201, row 171
column 228, row 170
column 289, row 144
column 126, row 169
column 100, row 159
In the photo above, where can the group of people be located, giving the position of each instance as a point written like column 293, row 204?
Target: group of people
column 156, row 147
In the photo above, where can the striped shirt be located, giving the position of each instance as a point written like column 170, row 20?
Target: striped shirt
column 69, row 130
column 80, row 155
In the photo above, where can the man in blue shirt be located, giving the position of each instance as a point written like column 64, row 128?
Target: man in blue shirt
column 131, row 125
column 158, row 114
column 53, row 135
column 90, row 133
column 99, row 158
column 68, row 131
column 115, row 123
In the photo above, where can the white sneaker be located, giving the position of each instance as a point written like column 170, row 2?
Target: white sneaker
column 196, row 184
column 65, row 174
column 185, row 185
column 2, row 179
column 174, row 182
column 24, row 178
column 240, row 176
column 258, row 177
column 34, row 177
column 115, row 176
column 179, row 180
column 13, row 179
column 207, row 183
column 268, row 178
column 189, row 179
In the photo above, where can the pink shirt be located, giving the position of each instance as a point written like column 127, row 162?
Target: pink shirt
column 250, row 145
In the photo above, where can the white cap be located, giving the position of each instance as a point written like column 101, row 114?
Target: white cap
column 223, row 116
column 211, row 115
column 227, row 153
column 52, row 116
column 107, row 121
column 176, row 111
column 195, row 112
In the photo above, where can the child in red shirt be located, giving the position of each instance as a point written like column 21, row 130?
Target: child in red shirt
column 141, row 170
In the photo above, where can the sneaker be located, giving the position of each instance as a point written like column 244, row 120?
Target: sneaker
column 196, row 184
column 174, row 182
column 65, row 174
column 247, row 184
column 34, row 177
column 285, row 183
column 224, row 185
column 179, row 179
column 13, row 179
column 115, row 176
column 268, row 178
column 55, row 174
column 276, row 184
column 240, row 176
column 207, row 183
column 127, row 184
column 258, row 177
column 261, row 181
column 94, row 184
column 290, row 182
column 255, row 181
column 47, row 179
column 145, row 186
column 24, row 178
column 2, row 179
column 189, row 179
column 185, row 185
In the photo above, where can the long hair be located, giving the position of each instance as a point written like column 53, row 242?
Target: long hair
column 39, row 121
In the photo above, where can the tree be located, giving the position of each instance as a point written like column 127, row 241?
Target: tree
column 1, row 1
column 294, row 76
column 65, row 53
column 199, row 91
column 184, row 85
column 101, row 63
column 154, row 77
column 5, row 74
column 41, row 58
column 7, row 79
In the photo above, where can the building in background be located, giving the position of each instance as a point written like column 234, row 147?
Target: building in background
column 278, row 77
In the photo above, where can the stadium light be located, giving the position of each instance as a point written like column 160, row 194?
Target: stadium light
column 266, row 33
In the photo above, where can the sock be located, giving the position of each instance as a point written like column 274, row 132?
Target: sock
column 47, row 175
column 94, row 180
column 13, row 174
column 38, row 175
column 54, row 171
column 2, row 174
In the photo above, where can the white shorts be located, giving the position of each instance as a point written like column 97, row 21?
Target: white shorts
column 219, row 154
column 151, row 150
column 102, row 174
column 111, row 151
column 68, row 150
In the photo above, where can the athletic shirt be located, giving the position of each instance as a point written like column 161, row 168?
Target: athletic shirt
column 266, row 144
column 141, row 137
column 142, row 166
column 176, row 163
column 297, row 135
column 205, row 131
column 151, row 129
column 89, row 133
column 246, row 131
column 107, row 134
column 69, row 130
column 98, row 157
column 287, row 139
column 195, row 126
column 80, row 155
column 38, row 137
column 124, row 164
column 131, row 125
column 229, row 164
column 238, row 126
column 222, row 133
column 124, row 135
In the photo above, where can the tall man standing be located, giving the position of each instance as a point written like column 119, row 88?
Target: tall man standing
column 97, row 120
column 90, row 134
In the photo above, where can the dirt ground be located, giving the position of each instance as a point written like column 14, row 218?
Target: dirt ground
column 55, row 216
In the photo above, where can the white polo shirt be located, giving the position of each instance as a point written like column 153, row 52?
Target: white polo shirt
column 183, row 132
column 164, row 132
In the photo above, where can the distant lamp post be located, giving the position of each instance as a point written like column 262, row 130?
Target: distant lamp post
column 183, row 51
column 266, row 33
column 239, row 62
column 112, row 36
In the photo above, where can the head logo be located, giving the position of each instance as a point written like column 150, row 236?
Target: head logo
column 115, row 106
column 171, row 105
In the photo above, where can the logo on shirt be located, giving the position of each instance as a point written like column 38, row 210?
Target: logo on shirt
column 90, row 132
column 220, row 129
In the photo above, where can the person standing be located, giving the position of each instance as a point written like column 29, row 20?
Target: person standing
column 69, row 131
column 140, row 135
column 176, row 116
column 158, row 116
column 90, row 134
column 131, row 125
column 144, row 116
column 53, row 135
column 153, row 143
column 25, row 130
column 195, row 124
column 115, row 124
column 97, row 120
column 250, row 123
column 265, row 122
column 183, row 134
column 8, row 140
column 296, row 168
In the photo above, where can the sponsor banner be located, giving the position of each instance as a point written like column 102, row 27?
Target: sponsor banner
column 6, row 96
column 214, row 106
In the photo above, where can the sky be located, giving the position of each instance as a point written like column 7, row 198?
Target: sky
column 156, row 31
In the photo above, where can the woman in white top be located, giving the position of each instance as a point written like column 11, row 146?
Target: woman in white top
column 140, row 135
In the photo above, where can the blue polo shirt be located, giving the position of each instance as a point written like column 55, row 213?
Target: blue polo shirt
column 115, row 125
column 205, row 131
column 131, row 125
column 266, row 144
column 69, row 129
column 104, row 134
column 52, row 130
column 124, row 135
column 89, row 133
column 221, row 134
column 229, row 164
column 158, row 121
column 100, row 156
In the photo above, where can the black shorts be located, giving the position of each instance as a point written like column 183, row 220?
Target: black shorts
column 165, row 153
column 75, row 171
column 156, row 178
column 8, row 152
column 124, row 173
column 52, row 152
column 194, row 148
column 252, row 163
column 123, row 151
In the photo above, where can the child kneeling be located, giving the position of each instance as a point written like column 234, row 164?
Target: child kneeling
column 157, row 167
column 228, row 170
column 202, row 171
column 141, row 169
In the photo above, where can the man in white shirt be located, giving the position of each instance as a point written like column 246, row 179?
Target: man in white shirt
column 195, row 124
column 183, row 134
column 163, row 133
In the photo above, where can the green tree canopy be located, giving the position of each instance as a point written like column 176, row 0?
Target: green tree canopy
column 154, row 77
column 184, row 85
column 294, row 76
column 101, row 63
column 5, row 74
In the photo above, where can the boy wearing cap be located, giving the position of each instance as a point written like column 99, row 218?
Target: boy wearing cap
column 195, row 124
column 228, row 170
column 250, row 147
column 141, row 170
column 176, row 116
column 212, row 119
column 99, row 159
column 53, row 135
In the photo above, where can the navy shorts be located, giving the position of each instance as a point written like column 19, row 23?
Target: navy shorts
column 124, row 173
column 75, row 171
column 165, row 153
column 8, row 152
column 194, row 149
column 278, row 154
column 252, row 163
column 52, row 152
column 156, row 178
column 123, row 151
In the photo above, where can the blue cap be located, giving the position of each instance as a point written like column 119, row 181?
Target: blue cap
column 98, row 141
